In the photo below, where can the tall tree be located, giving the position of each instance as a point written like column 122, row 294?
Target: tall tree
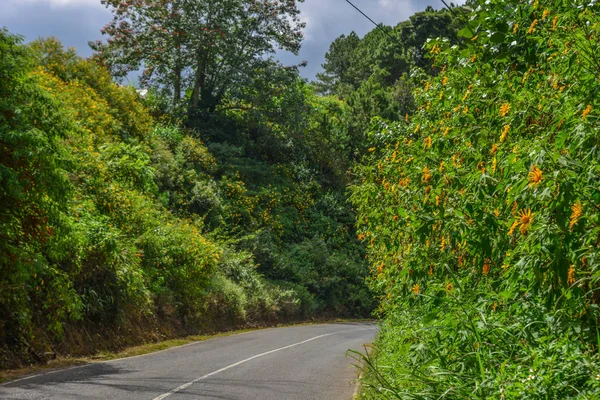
column 201, row 48
column 336, row 77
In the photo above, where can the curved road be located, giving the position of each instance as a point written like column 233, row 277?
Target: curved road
column 301, row 362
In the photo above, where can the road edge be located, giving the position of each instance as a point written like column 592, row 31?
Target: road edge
column 65, row 363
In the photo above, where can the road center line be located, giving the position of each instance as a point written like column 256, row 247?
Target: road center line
column 190, row 383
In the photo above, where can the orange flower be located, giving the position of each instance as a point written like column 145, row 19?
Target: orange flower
column 416, row 289
column 587, row 110
column 576, row 213
column 486, row 267
column 512, row 228
column 494, row 149
column 426, row 175
column 427, row 142
column 571, row 275
column 504, row 133
column 481, row 166
column 545, row 14
column 449, row 286
column 532, row 26
column 445, row 80
column 525, row 220
column 504, row 109
column 535, row 176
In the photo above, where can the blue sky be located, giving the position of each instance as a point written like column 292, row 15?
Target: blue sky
column 75, row 22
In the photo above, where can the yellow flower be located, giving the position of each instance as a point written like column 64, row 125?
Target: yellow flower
column 494, row 149
column 515, row 28
column 576, row 214
column 587, row 110
column 446, row 131
column 417, row 128
column 535, row 176
column 504, row 109
column 532, row 26
column 442, row 164
column 504, row 133
column 494, row 164
column 445, row 80
column 449, row 287
column 525, row 220
column 496, row 212
column 474, row 58
column 372, row 149
column 416, row 289
column 571, row 275
column 554, row 21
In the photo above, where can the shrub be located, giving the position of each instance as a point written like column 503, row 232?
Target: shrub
column 481, row 213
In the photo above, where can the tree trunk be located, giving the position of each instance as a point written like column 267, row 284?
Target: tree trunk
column 199, row 80
column 177, row 85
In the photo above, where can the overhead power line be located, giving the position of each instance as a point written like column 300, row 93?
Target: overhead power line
column 373, row 22
column 449, row 8
column 380, row 27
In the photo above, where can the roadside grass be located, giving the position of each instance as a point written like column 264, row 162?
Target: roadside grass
column 142, row 349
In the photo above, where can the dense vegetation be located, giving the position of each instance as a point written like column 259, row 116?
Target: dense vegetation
column 220, row 199
column 481, row 211
column 124, row 219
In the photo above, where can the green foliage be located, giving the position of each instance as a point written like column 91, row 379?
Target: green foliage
column 199, row 50
column 481, row 214
column 117, row 213
column 34, row 192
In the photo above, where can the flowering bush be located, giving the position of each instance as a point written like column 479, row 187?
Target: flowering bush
column 482, row 213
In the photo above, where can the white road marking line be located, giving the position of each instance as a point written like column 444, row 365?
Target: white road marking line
column 91, row 363
column 190, row 383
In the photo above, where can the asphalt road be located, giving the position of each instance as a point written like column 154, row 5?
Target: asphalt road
column 302, row 362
